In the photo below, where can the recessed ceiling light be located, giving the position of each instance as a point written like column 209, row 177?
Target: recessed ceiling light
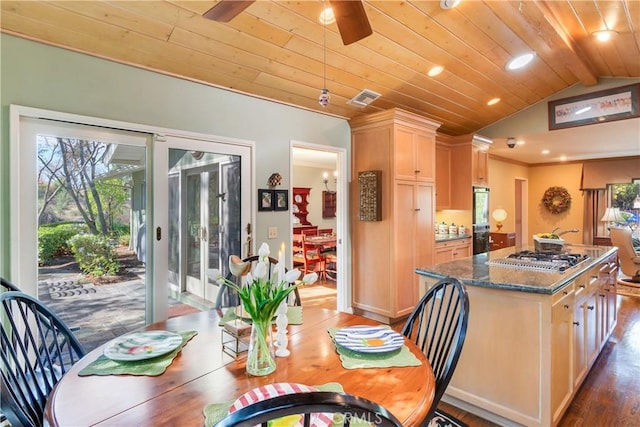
column 493, row 101
column 449, row 4
column 545, row 151
column 520, row 61
column 435, row 70
column 603, row 35
column 326, row 16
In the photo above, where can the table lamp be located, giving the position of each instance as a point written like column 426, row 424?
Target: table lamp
column 499, row 215
column 612, row 216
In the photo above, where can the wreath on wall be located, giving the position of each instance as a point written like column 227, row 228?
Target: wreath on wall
column 556, row 199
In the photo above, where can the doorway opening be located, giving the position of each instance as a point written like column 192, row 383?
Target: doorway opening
column 320, row 172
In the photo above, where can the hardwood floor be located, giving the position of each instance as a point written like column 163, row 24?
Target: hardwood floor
column 609, row 396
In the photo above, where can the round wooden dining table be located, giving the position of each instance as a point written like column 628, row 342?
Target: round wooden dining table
column 202, row 373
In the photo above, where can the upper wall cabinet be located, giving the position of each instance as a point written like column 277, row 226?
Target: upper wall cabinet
column 468, row 168
column 443, row 175
column 413, row 153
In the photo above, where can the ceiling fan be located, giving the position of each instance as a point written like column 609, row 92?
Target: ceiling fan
column 350, row 16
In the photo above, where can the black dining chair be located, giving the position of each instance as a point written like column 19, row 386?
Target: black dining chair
column 438, row 326
column 307, row 404
column 7, row 286
column 38, row 348
column 228, row 297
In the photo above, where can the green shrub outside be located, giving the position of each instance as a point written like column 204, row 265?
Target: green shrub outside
column 94, row 255
column 52, row 240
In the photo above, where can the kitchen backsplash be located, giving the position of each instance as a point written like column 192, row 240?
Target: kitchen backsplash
column 455, row 216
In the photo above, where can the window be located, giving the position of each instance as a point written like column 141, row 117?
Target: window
column 626, row 197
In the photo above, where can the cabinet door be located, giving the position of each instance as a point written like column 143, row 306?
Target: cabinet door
column 443, row 254
column 561, row 334
column 425, row 150
column 413, row 240
column 443, row 177
column 414, row 154
column 579, row 343
column 592, row 341
column 462, row 251
column 480, row 166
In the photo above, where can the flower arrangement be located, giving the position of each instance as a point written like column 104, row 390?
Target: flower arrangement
column 556, row 199
column 261, row 296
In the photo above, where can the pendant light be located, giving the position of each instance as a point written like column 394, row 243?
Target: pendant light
column 324, row 97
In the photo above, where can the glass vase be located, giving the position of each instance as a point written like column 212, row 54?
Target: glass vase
column 261, row 356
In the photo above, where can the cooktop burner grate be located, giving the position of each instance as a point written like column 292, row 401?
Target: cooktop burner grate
column 549, row 262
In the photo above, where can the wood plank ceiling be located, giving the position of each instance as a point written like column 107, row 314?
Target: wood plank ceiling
column 274, row 49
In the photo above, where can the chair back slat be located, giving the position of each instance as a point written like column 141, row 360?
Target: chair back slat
column 38, row 348
column 438, row 327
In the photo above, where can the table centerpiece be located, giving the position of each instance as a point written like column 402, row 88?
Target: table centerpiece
column 261, row 294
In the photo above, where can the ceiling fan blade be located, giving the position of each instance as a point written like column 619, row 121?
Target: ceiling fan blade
column 226, row 10
column 352, row 20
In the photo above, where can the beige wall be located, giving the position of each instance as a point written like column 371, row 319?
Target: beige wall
column 502, row 179
column 540, row 219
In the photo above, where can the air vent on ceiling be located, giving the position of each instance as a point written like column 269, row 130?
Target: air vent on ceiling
column 364, row 98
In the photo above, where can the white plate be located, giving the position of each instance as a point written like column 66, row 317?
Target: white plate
column 278, row 389
column 142, row 345
column 369, row 339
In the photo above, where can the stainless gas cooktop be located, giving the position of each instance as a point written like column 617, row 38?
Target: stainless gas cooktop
column 549, row 262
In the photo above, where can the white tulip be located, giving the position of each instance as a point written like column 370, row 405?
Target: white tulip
column 263, row 252
column 292, row 275
column 310, row 278
column 260, row 271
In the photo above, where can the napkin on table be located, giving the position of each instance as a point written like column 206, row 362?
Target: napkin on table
column 151, row 367
column 355, row 360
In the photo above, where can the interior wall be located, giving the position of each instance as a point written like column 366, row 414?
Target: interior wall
column 41, row 76
column 543, row 221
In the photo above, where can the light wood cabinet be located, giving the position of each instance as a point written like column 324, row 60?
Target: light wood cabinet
column 479, row 165
column 535, row 349
column 386, row 253
column 413, row 153
column 452, row 250
column 561, row 341
column 443, row 176
column 468, row 167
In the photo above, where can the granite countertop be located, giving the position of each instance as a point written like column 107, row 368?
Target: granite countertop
column 474, row 270
column 442, row 237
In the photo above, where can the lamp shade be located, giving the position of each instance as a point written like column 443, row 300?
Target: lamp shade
column 499, row 215
column 612, row 215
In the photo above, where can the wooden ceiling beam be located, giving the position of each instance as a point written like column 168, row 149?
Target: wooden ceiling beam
column 579, row 64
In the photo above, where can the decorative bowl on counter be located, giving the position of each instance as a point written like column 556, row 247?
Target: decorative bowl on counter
column 542, row 244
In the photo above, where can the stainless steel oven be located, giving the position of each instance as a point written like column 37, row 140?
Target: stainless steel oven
column 480, row 220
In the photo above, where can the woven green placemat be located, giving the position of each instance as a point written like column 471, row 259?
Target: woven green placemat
column 214, row 412
column 294, row 315
column 150, row 367
column 356, row 360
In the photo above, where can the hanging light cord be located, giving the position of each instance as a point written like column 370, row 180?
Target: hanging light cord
column 324, row 51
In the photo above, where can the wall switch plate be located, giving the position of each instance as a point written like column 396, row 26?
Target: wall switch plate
column 273, row 232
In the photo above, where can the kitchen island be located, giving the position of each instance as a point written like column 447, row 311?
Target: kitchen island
column 532, row 335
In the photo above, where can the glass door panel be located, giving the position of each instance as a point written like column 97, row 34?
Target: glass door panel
column 209, row 199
